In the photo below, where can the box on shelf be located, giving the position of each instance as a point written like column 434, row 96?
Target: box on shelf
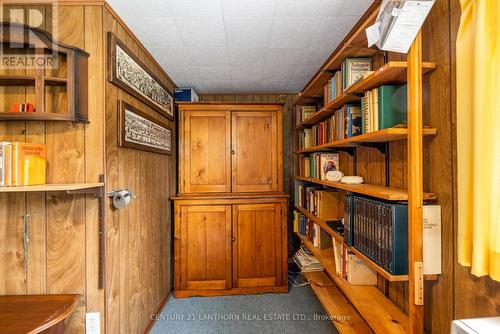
column 185, row 94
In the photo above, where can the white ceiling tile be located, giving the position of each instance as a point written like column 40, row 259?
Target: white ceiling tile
column 194, row 8
column 247, row 73
column 278, row 72
column 293, row 31
column 248, row 8
column 285, row 56
column 201, row 31
column 240, row 45
column 127, row 8
column 215, row 73
column 348, row 7
column 333, row 29
column 246, row 56
column 313, row 8
column 207, row 56
column 274, row 85
column 247, row 32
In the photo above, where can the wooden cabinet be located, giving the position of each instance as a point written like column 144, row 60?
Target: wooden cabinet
column 257, row 245
column 206, row 252
column 229, row 245
column 207, row 152
column 230, row 213
column 230, row 148
column 254, row 148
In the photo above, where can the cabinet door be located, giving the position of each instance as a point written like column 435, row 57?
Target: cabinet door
column 255, row 151
column 207, row 152
column 205, row 247
column 257, row 247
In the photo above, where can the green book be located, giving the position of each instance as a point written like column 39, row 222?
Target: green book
column 392, row 106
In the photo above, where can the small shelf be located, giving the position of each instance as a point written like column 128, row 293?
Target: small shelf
column 329, row 109
column 53, row 81
column 381, row 136
column 344, row 317
column 321, row 223
column 375, row 308
column 17, row 80
column 39, row 116
column 393, row 72
column 385, row 193
column 52, row 187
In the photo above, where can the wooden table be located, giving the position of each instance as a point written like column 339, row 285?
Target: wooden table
column 35, row 313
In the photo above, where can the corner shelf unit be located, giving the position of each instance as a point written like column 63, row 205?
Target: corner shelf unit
column 57, row 88
column 373, row 306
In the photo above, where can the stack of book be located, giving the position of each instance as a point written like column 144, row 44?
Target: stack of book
column 321, row 133
column 324, row 204
column 317, row 165
column 379, row 230
column 334, row 87
column 303, row 112
column 351, row 268
column 22, row 164
column 306, row 260
column 383, row 107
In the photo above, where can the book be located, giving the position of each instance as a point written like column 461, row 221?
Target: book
column 308, row 138
column 432, row 239
column 5, row 164
column 328, row 162
column 337, row 256
column 307, row 111
column 306, row 261
column 329, row 204
column 29, row 163
column 392, row 106
column 325, row 240
column 352, row 120
column 354, row 69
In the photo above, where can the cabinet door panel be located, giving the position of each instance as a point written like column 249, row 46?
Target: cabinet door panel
column 206, row 148
column 206, row 247
column 255, row 147
column 257, row 245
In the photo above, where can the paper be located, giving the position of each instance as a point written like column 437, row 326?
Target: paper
column 396, row 28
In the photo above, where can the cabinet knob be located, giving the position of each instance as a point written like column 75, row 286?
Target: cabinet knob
column 233, row 239
column 233, row 152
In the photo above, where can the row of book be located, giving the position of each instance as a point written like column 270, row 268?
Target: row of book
column 380, row 231
column 22, row 164
column 303, row 112
column 383, row 107
column 316, row 165
column 324, row 204
column 347, row 265
column 352, row 70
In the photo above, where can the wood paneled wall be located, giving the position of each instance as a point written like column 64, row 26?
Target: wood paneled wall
column 63, row 247
column 139, row 240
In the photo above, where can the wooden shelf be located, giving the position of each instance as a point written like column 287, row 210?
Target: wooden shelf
column 39, row 116
column 52, row 187
column 393, row 72
column 381, row 136
column 321, row 223
column 329, row 109
column 343, row 315
column 377, row 310
column 26, row 80
column 385, row 193
column 53, row 81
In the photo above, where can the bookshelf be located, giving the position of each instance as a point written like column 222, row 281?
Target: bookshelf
column 377, row 311
column 375, row 305
column 380, row 192
column 381, row 136
column 58, row 89
column 52, row 187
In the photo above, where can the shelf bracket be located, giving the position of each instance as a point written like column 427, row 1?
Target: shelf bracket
column 97, row 192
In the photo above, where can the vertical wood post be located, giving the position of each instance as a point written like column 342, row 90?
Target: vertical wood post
column 415, row 188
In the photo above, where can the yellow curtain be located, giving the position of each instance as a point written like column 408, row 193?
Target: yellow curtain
column 478, row 137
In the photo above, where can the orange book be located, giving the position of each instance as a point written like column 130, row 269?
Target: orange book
column 5, row 164
column 29, row 164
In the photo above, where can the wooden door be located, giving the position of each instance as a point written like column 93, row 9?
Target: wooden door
column 255, row 151
column 205, row 247
column 257, row 255
column 206, row 148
